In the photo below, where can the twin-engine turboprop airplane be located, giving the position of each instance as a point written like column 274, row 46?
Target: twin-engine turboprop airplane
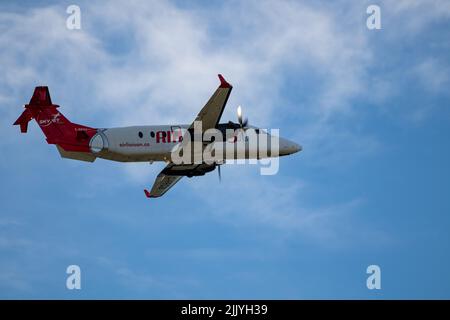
column 213, row 142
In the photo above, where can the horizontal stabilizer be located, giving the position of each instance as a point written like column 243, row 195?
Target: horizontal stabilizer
column 23, row 120
column 41, row 97
column 82, row 156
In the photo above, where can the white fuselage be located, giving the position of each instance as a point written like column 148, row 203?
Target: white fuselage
column 156, row 143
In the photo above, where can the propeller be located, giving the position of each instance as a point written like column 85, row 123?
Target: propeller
column 242, row 122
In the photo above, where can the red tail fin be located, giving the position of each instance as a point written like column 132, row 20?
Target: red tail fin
column 57, row 128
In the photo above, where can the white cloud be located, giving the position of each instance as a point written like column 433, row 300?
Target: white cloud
column 176, row 53
column 143, row 173
column 414, row 15
column 282, row 209
column 167, row 71
column 432, row 75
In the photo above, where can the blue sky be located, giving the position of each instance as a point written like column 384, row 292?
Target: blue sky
column 371, row 109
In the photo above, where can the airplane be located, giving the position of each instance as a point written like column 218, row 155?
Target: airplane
column 155, row 142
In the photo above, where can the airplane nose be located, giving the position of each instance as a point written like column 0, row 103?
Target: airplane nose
column 289, row 147
column 296, row 147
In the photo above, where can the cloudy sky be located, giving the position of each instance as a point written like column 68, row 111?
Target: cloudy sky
column 369, row 107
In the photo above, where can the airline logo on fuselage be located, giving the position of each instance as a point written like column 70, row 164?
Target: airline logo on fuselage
column 158, row 137
column 168, row 136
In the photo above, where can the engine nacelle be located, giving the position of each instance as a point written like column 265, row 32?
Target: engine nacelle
column 189, row 170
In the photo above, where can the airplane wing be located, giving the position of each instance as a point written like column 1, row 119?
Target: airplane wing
column 213, row 109
column 210, row 116
column 172, row 173
column 162, row 184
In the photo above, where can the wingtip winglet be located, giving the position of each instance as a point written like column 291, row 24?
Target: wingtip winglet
column 223, row 82
column 148, row 194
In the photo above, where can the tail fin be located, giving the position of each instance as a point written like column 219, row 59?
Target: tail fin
column 57, row 128
column 40, row 99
